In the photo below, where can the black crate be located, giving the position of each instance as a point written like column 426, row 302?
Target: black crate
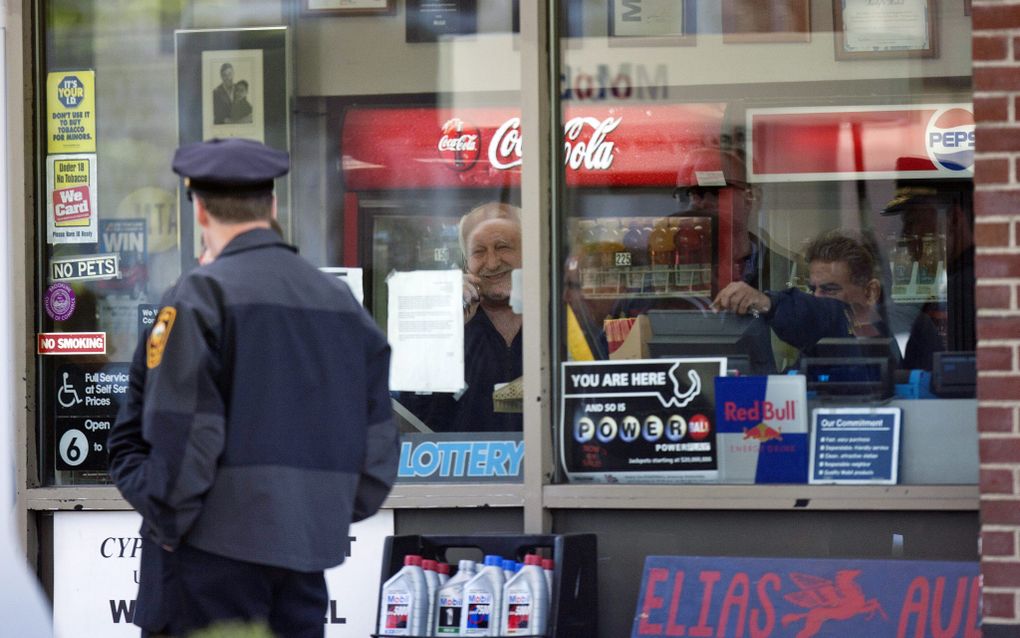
column 573, row 602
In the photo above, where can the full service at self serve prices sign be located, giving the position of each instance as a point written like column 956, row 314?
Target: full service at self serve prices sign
column 803, row 598
column 70, row 112
column 88, row 398
column 71, row 208
column 96, row 558
column 644, row 420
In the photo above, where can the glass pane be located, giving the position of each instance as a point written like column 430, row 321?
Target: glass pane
column 401, row 118
column 769, row 201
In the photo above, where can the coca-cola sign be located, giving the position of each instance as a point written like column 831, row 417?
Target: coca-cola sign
column 459, row 145
column 586, row 143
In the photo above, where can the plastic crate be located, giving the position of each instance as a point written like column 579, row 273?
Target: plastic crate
column 574, row 595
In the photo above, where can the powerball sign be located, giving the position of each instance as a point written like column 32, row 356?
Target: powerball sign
column 644, row 420
column 804, row 598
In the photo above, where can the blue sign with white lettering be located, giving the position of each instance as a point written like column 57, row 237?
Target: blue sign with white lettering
column 855, row 446
column 825, row 598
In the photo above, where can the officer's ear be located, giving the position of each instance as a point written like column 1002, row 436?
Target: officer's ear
column 201, row 212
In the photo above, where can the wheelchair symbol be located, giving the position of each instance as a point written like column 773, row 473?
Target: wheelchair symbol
column 70, row 392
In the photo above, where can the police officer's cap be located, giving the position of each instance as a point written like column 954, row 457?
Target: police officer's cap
column 230, row 166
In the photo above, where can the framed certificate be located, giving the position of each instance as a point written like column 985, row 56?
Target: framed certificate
column 766, row 21
column 348, row 7
column 652, row 23
column 868, row 30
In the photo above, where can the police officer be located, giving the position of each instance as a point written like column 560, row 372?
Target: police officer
column 257, row 424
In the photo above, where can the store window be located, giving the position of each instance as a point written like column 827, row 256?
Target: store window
column 390, row 111
column 766, row 264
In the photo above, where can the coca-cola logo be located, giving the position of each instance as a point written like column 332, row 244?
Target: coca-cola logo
column 586, row 144
column 459, row 145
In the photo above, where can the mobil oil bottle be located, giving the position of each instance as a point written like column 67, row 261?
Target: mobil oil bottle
column 404, row 604
column 482, row 599
column 525, row 610
column 450, row 601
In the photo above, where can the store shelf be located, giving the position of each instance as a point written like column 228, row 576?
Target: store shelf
column 763, row 497
column 456, row 495
column 647, row 282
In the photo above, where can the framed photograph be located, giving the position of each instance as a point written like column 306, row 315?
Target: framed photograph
column 652, row 23
column 864, row 29
column 231, row 83
column 348, row 7
column 430, row 20
column 766, row 21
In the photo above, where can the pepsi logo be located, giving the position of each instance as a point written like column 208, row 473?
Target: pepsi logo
column 949, row 139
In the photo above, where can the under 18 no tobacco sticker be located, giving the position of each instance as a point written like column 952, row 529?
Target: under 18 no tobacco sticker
column 646, row 420
column 71, row 207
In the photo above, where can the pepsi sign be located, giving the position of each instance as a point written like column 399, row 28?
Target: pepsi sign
column 949, row 139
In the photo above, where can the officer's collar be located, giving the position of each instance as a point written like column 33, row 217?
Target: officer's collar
column 255, row 238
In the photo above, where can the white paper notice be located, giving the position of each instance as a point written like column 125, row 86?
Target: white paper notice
column 352, row 277
column 426, row 331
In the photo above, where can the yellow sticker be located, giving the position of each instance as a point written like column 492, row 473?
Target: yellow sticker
column 157, row 338
column 70, row 112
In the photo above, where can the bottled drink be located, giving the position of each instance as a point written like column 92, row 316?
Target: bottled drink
column 685, row 243
column 636, row 243
column 927, row 267
column 589, row 245
column 902, row 263
column 526, row 600
column 450, row 600
column 404, row 601
column 660, row 254
column 483, row 597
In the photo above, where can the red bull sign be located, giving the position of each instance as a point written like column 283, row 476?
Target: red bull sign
column 904, row 141
column 803, row 598
column 762, row 429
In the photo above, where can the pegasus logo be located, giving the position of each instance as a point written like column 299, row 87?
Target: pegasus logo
column 826, row 600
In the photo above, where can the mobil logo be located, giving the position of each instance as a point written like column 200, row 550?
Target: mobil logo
column 949, row 139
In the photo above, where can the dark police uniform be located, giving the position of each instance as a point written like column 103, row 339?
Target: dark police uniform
column 257, row 427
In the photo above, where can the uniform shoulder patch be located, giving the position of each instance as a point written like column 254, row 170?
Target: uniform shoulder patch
column 157, row 338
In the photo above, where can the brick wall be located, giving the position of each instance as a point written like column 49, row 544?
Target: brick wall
column 997, row 264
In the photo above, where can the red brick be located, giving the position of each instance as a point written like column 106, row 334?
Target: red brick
column 995, row 16
column 996, row 79
column 998, row 543
column 996, row 297
column 992, row 171
column 1005, row 265
column 998, row 605
column 1005, row 450
column 991, row 47
column 998, row 327
column 991, row 109
column 992, row 234
column 1000, row 574
column 997, row 482
column 995, row 419
column 1004, row 202
column 999, row 389
column 997, row 138
column 995, row 358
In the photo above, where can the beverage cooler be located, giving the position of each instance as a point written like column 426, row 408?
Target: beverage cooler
column 409, row 173
column 636, row 229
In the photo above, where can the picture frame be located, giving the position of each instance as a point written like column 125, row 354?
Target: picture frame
column 348, row 7
column 770, row 21
column 652, row 23
column 253, row 104
column 866, row 30
column 431, row 20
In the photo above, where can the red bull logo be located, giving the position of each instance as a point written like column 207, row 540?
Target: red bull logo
column 949, row 139
column 762, row 433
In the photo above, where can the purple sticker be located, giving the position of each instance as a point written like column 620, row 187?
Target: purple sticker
column 59, row 301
